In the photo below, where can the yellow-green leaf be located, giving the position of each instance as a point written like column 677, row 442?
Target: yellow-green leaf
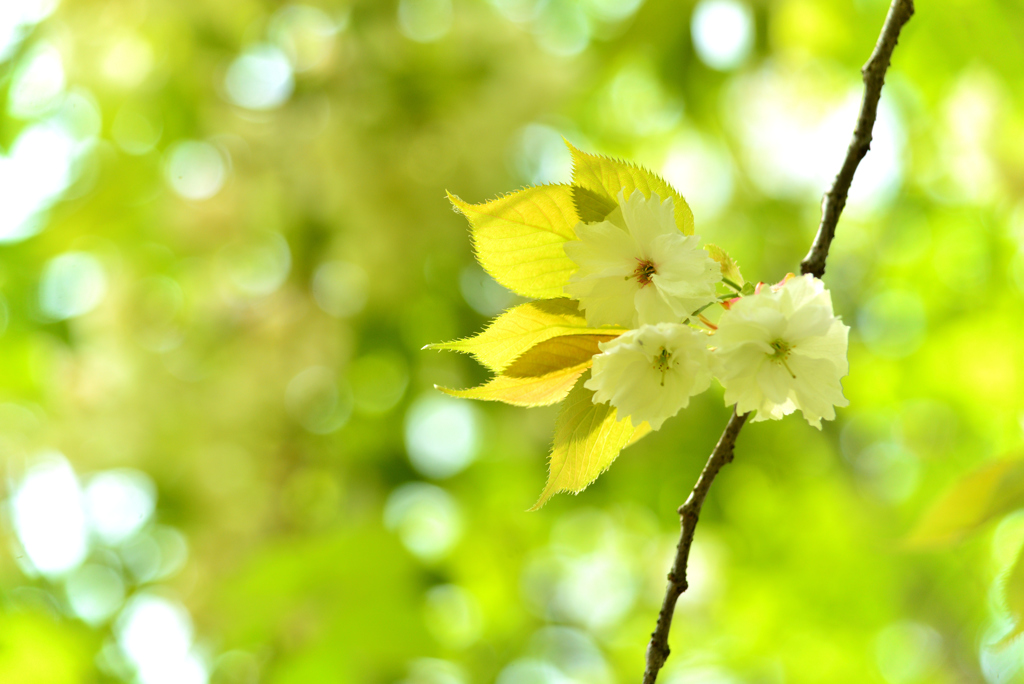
column 587, row 439
column 542, row 376
column 984, row 495
column 605, row 177
column 591, row 206
column 519, row 329
column 527, row 390
column 518, row 238
column 730, row 269
column 557, row 353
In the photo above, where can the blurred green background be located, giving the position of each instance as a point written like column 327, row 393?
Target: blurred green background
column 225, row 241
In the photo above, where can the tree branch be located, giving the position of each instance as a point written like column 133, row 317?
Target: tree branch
column 689, row 514
column 832, row 206
column 873, row 75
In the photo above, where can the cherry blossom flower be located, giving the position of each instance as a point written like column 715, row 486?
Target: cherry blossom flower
column 636, row 268
column 783, row 349
column 650, row 373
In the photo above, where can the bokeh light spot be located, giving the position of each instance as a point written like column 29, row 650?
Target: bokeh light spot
column 119, row 503
column 32, row 177
column 453, row 616
column 73, row 284
column 305, row 34
column 529, row 671
column 48, row 516
column 723, row 33
column 613, row 10
column 260, row 265
column 340, row 288
column 424, row 20
column 482, row 292
column 17, row 18
column 155, row 634
column 196, row 170
column 134, row 132
column 378, row 382
column 95, row 592
column 426, row 519
column 128, row 61
column 37, row 84
column 314, row 400
column 540, row 155
column 435, row 671
column 702, row 171
column 563, row 28
column 260, row 78
column 441, row 435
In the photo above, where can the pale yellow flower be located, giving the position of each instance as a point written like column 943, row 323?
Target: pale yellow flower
column 650, row 373
column 636, row 268
column 783, row 349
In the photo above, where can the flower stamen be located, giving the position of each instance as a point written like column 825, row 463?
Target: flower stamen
column 782, row 350
column 644, row 270
column 663, row 363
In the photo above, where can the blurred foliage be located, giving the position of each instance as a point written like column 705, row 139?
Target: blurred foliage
column 226, row 240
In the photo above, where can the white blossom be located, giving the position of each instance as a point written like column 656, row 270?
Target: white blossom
column 636, row 268
column 783, row 349
column 650, row 373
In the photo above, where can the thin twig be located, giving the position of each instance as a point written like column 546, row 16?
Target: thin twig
column 689, row 514
column 873, row 75
column 814, row 263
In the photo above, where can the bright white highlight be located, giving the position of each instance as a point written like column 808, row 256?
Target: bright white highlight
column 119, row 503
column 48, row 518
column 702, row 171
column 196, row 170
column 32, row 177
column 426, row 519
column 723, row 33
column 156, row 636
column 37, row 84
column 441, row 435
column 73, row 284
column 424, row 20
column 795, row 133
column 260, row 78
column 17, row 18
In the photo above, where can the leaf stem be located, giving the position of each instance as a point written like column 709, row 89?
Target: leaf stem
column 731, row 284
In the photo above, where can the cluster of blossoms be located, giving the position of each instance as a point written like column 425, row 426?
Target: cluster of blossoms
column 622, row 327
column 775, row 350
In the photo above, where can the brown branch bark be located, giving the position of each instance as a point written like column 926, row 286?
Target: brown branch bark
column 832, row 205
column 689, row 514
column 873, row 75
